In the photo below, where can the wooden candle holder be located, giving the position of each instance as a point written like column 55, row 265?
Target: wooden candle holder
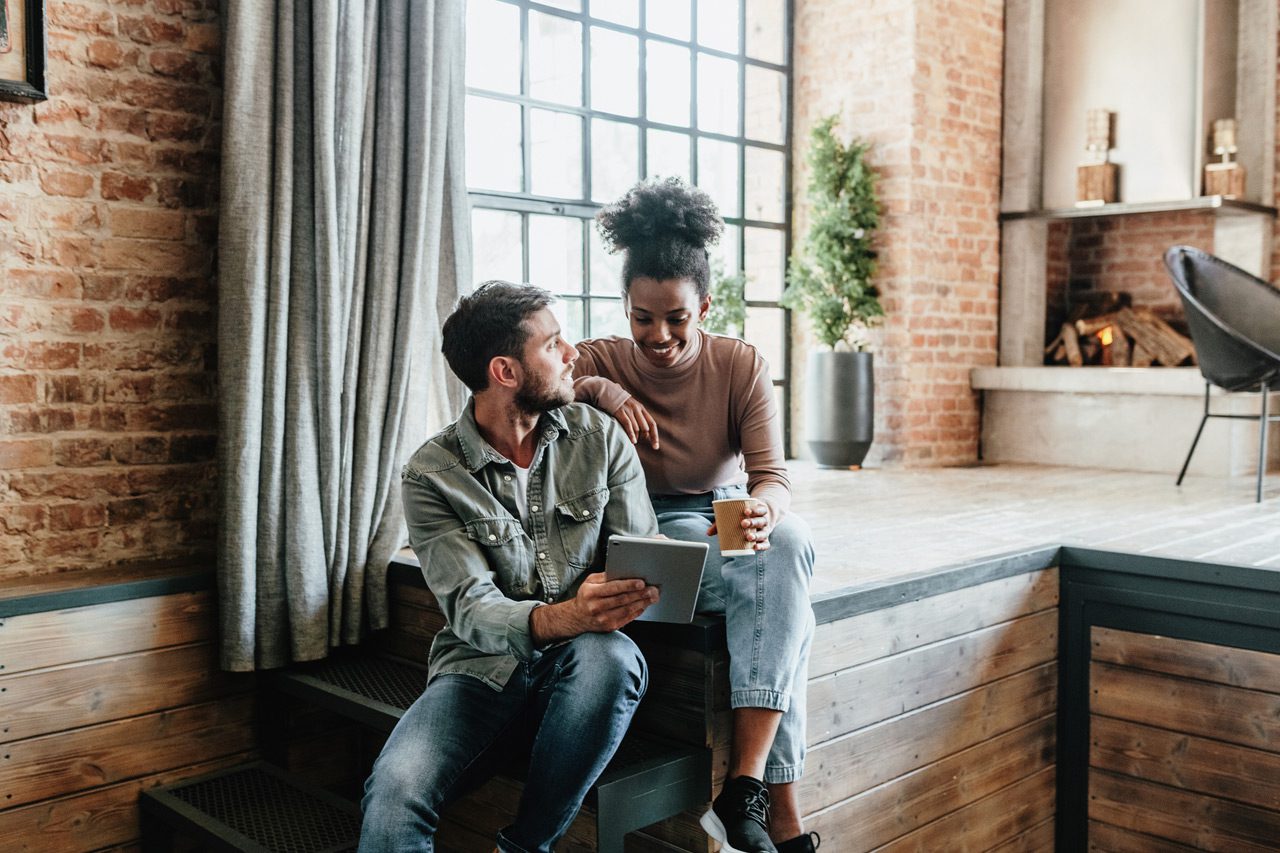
column 1096, row 184
column 1224, row 179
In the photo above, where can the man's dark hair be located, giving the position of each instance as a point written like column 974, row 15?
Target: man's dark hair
column 663, row 227
column 489, row 323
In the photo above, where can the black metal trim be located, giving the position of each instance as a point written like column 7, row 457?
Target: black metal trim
column 43, row 602
column 1228, row 605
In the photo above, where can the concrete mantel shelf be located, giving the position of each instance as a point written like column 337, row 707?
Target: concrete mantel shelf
column 1168, row 381
column 1210, row 204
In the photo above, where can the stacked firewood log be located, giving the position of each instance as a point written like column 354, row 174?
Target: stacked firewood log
column 1119, row 336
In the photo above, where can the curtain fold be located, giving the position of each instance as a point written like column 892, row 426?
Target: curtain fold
column 344, row 238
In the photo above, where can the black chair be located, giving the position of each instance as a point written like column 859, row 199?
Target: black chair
column 1235, row 325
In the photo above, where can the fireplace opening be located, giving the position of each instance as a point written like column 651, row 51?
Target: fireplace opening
column 1105, row 329
column 1109, row 301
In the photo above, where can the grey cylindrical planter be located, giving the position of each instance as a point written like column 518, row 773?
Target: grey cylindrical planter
column 839, row 410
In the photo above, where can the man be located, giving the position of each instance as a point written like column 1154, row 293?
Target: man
column 506, row 509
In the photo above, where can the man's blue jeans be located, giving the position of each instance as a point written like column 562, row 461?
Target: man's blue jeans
column 768, row 619
column 572, row 703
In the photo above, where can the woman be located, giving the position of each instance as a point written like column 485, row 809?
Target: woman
column 705, row 408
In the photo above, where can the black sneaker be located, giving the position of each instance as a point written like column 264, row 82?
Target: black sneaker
column 739, row 817
column 807, row 843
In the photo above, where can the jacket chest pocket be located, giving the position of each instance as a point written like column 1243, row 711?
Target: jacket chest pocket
column 579, row 520
column 507, row 549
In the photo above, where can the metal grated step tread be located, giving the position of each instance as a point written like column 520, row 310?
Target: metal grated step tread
column 377, row 690
column 255, row 807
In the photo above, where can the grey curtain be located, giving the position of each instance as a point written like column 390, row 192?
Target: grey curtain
column 343, row 239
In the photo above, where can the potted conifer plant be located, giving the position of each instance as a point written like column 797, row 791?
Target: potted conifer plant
column 829, row 278
column 728, row 312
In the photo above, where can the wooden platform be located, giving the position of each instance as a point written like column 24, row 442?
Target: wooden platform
column 877, row 526
column 934, row 681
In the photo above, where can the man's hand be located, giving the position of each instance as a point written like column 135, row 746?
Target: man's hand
column 636, row 421
column 599, row 607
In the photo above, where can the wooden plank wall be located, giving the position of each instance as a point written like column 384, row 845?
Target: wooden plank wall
column 1184, row 745
column 932, row 723
column 101, row 701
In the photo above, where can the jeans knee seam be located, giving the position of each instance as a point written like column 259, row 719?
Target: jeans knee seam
column 758, row 627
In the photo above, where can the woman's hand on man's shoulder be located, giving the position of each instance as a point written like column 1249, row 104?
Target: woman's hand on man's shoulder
column 637, row 422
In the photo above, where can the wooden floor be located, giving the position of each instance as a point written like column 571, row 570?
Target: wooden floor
column 877, row 525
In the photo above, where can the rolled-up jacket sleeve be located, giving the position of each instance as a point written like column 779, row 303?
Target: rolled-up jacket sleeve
column 458, row 575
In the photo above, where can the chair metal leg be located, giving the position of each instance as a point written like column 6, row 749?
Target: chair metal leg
column 1263, row 428
column 1195, row 440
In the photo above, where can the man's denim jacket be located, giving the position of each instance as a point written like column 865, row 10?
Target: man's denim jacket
column 487, row 569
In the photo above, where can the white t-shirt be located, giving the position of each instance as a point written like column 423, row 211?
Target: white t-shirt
column 522, row 488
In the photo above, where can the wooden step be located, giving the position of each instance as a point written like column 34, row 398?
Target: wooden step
column 648, row 780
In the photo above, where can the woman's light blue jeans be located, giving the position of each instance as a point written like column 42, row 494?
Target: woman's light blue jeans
column 765, row 601
column 573, row 703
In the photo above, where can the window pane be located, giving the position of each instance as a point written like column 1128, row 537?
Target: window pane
column 555, row 253
column 718, row 24
column 567, row 5
column 556, row 146
column 668, row 18
column 555, row 59
column 766, row 30
column 619, row 11
column 495, row 245
column 569, row 313
column 493, row 145
column 615, row 159
column 717, row 94
column 765, row 263
column 606, row 269
column 608, row 318
column 765, row 329
column 727, row 249
column 668, row 155
column 667, row 83
column 493, row 46
column 766, row 183
column 766, row 105
column 615, row 72
column 718, row 173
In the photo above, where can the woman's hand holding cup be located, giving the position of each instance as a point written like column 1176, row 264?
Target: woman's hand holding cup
column 743, row 526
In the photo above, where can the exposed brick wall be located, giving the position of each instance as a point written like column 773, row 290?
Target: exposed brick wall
column 1125, row 254
column 921, row 79
column 107, row 245
column 1057, row 274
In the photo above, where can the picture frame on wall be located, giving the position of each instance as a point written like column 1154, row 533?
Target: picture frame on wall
column 22, row 50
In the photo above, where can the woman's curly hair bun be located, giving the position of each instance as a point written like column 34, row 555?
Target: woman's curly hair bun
column 660, row 210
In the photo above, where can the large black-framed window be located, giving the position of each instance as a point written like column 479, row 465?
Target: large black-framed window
column 570, row 102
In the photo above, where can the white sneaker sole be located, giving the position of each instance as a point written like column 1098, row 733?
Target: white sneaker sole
column 712, row 825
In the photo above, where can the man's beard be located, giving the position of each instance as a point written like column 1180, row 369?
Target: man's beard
column 536, row 396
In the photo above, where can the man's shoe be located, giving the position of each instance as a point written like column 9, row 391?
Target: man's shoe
column 739, row 817
column 807, row 843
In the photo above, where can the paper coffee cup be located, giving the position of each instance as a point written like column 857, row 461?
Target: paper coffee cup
column 733, row 539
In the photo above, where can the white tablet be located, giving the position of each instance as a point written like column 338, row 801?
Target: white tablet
column 674, row 567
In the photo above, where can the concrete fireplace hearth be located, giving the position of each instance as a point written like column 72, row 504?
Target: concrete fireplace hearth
column 1128, row 419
